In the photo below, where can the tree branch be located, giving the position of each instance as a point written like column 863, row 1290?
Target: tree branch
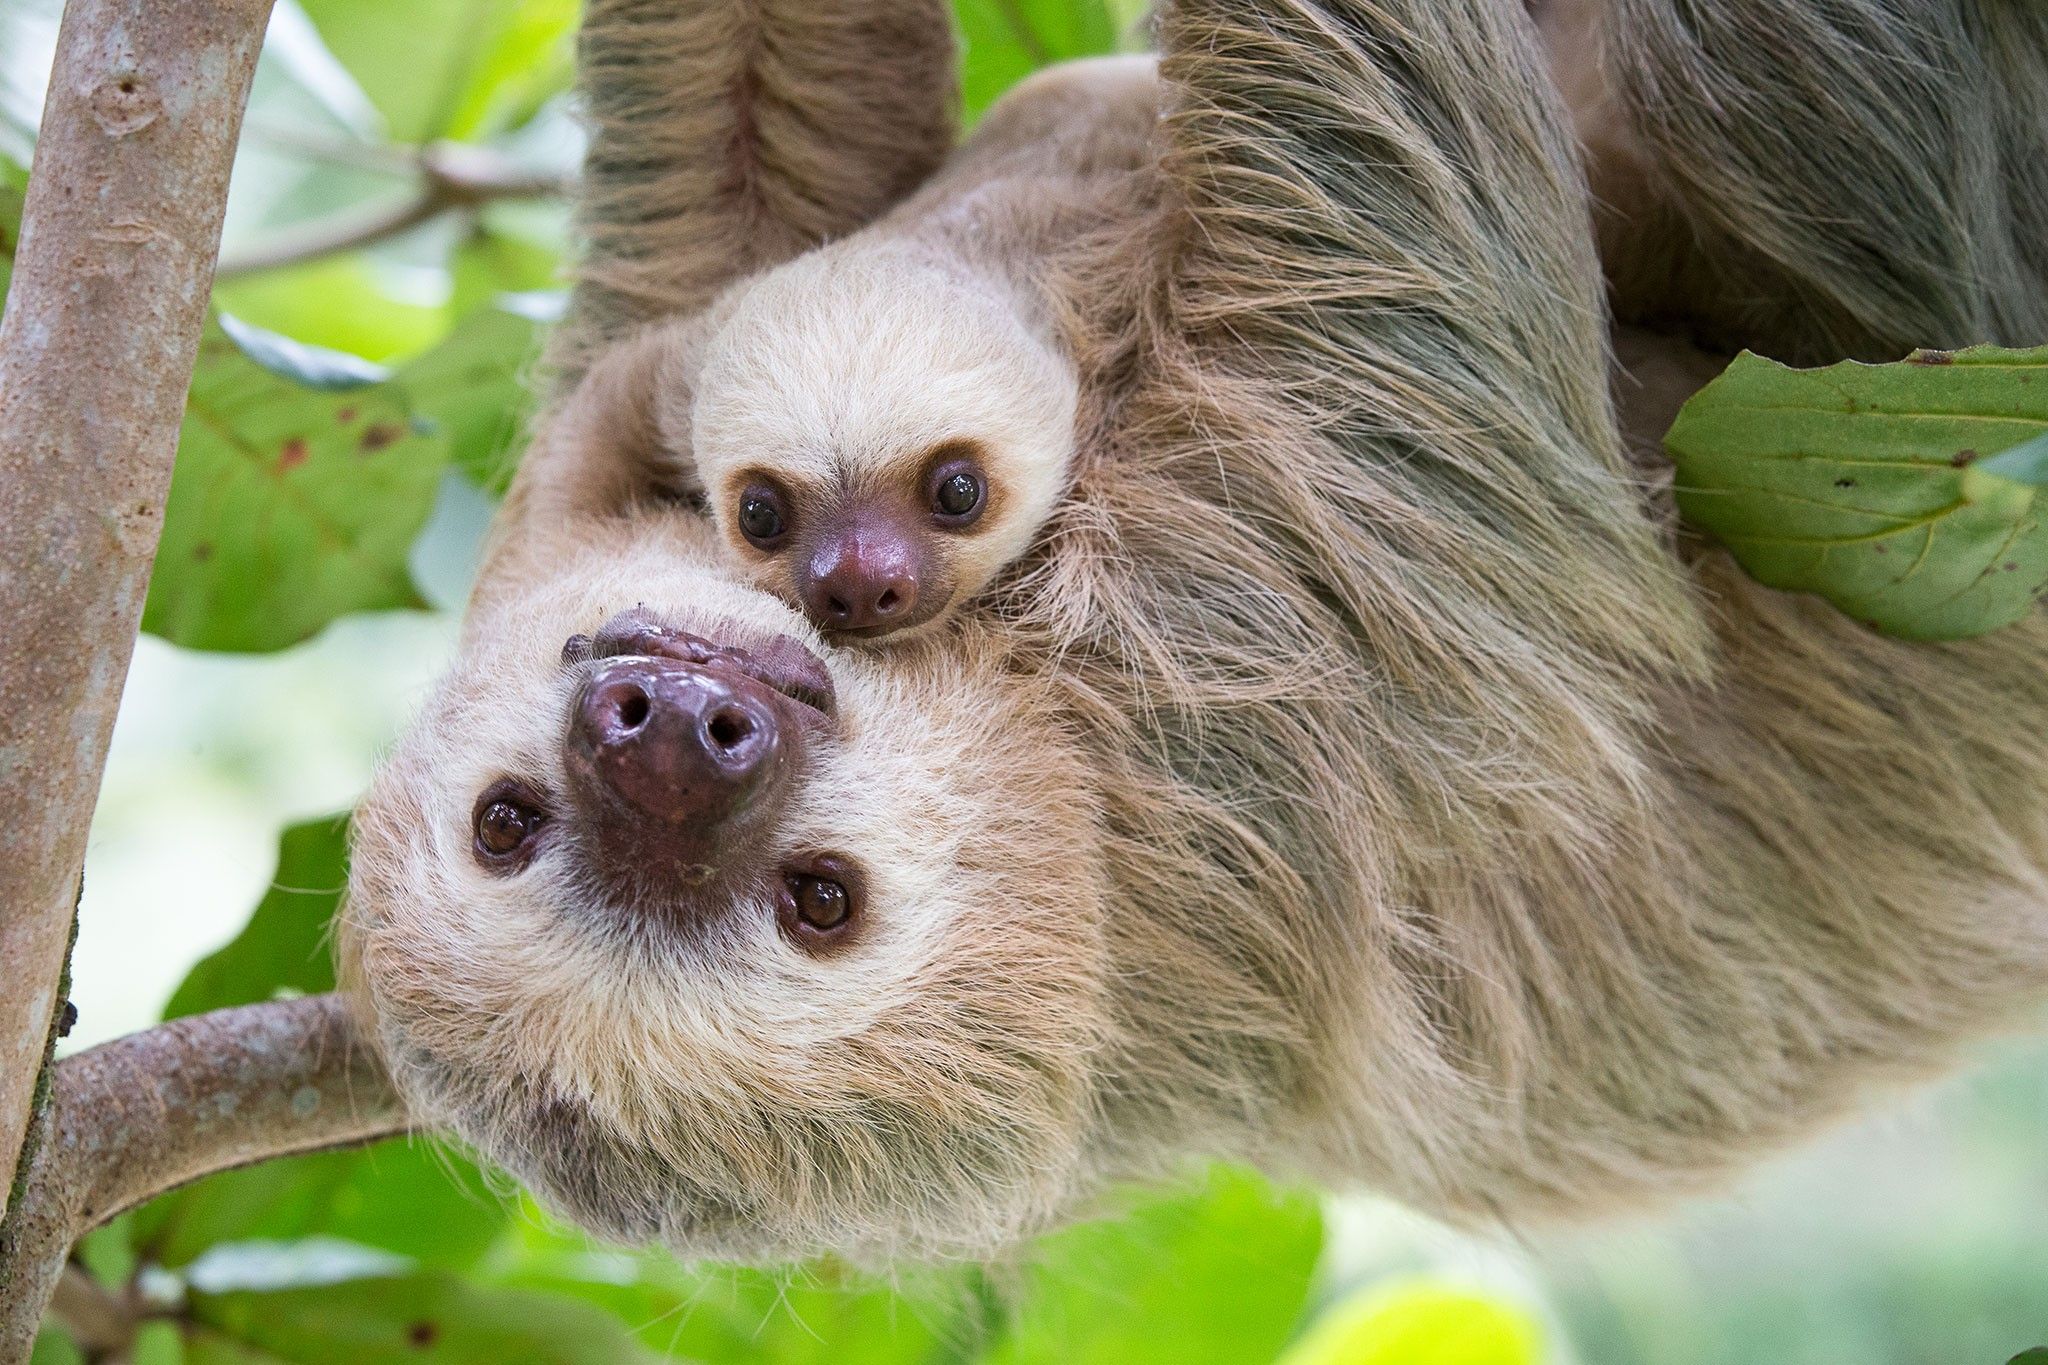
column 111, row 275
column 451, row 176
column 144, row 1114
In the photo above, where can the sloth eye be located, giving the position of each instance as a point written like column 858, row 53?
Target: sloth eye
column 507, row 818
column 763, row 520
column 958, row 495
column 820, row 899
column 821, row 904
column 958, row 491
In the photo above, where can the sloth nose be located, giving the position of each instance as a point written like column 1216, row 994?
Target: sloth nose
column 674, row 744
column 862, row 576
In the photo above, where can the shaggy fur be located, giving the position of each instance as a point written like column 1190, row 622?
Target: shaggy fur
column 726, row 138
column 1906, row 198
column 1358, row 778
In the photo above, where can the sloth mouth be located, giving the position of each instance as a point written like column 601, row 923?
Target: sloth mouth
column 782, row 664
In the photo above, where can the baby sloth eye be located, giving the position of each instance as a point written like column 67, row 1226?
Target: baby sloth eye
column 763, row 520
column 958, row 492
column 820, row 900
column 507, row 818
column 959, row 495
column 821, row 904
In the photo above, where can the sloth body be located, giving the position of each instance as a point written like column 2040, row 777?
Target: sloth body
column 1360, row 777
column 881, row 425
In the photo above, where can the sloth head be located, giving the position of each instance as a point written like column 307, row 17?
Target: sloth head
column 715, row 934
column 876, row 430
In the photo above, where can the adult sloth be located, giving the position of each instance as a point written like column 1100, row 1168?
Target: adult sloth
column 1358, row 780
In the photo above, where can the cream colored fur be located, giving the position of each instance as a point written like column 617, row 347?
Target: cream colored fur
column 839, row 373
column 1358, row 777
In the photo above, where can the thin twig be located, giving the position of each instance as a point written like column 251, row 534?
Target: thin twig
column 98, row 1320
column 451, row 177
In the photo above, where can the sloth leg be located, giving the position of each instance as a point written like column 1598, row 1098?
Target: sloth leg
column 1816, row 180
column 727, row 137
column 1376, row 216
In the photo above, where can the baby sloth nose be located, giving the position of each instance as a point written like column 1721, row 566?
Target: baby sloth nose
column 861, row 575
column 667, row 751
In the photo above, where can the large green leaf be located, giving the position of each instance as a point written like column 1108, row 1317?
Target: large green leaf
column 300, row 484
column 1858, row 482
column 460, row 68
column 758, row 1318
column 1004, row 41
column 404, row 1196
column 413, row 1319
column 284, row 946
column 1216, row 1277
column 816, row 1315
column 473, row 386
column 340, row 302
column 1422, row 1322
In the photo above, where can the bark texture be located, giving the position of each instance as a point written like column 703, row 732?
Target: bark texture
column 111, row 279
column 144, row 1114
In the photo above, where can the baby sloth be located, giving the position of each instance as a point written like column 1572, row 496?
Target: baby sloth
column 878, row 427
column 875, row 430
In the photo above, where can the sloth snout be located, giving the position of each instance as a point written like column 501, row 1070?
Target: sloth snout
column 862, row 575
column 664, row 754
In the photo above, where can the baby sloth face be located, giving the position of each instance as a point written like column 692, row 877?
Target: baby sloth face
column 714, row 934
column 879, row 434
column 873, row 564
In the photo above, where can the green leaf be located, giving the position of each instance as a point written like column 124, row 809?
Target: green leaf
column 340, row 302
column 404, row 1196
column 408, row 1197
column 1217, row 1277
column 463, row 69
column 809, row 1317
column 412, row 1319
column 490, row 262
column 526, row 57
column 815, row 1315
column 1856, row 482
column 13, row 185
column 291, row 504
column 54, row 1348
column 473, row 387
column 1003, row 41
column 284, row 946
column 1421, row 1322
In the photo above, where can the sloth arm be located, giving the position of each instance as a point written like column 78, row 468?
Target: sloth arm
column 727, row 137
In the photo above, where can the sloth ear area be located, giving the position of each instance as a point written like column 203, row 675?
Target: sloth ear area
column 622, row 438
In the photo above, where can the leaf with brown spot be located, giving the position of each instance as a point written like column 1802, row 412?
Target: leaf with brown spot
column 1870, row 486
column 299, row 527
column 473, row 386
column 379, row 1321
column 379, row 435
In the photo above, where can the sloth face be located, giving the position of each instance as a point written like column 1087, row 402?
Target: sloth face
column 879, row 433
column 714, row 934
